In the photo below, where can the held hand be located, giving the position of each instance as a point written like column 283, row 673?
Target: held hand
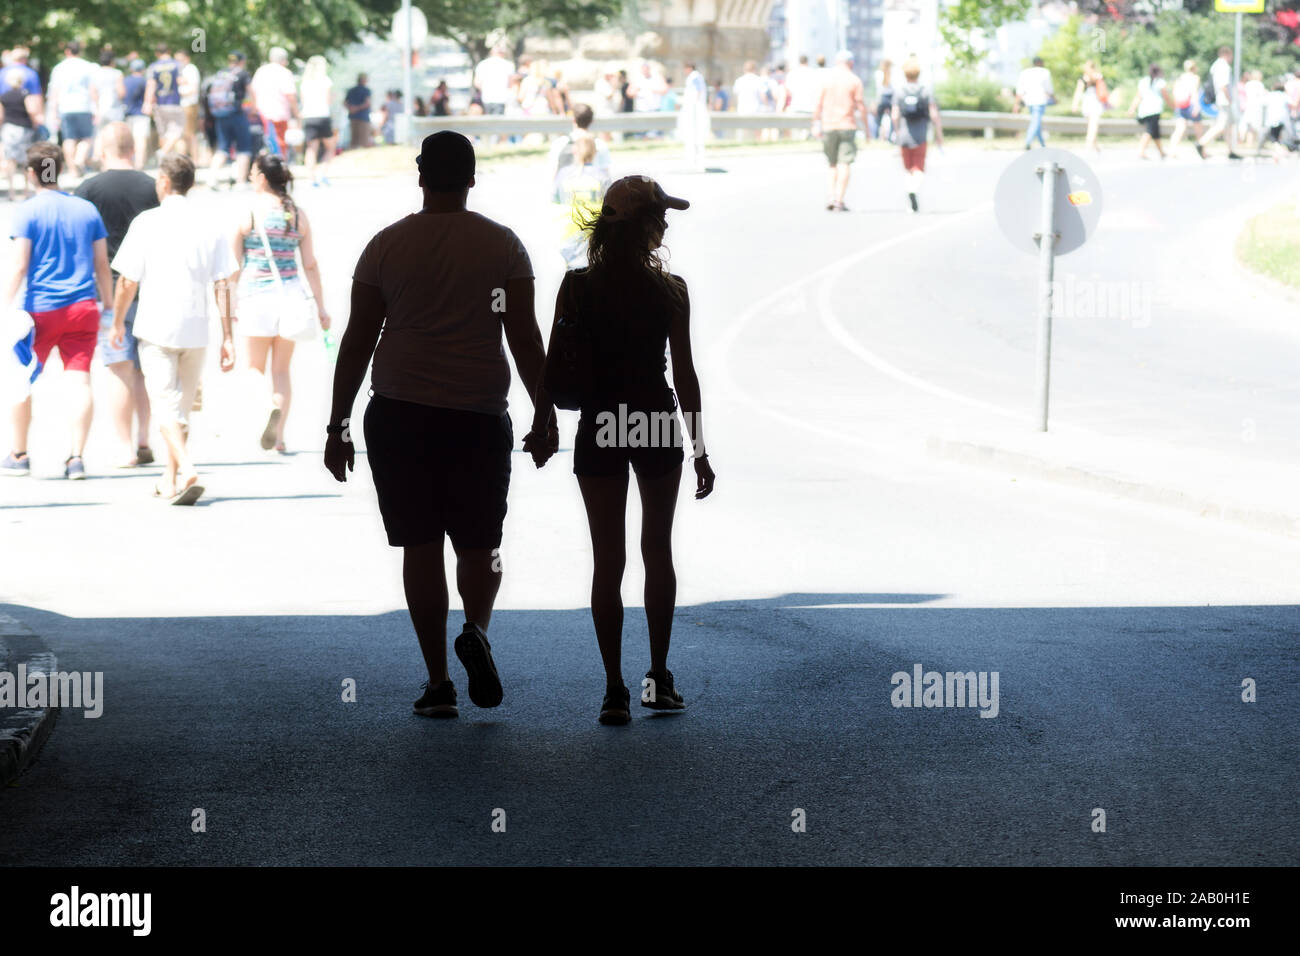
column 227, row 354
column 324, row 320
column 542, row 445
column 703, row 478
column 338, row 457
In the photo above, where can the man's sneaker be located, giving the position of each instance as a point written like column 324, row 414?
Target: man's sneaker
column 74, row 468
column 660, row 694
column 1234, row 156
column 1200, row 151
column 475, row 653
column 614, row 708
column 437, row 701
column 911, row 197
column 16, row 466
column 144, row 455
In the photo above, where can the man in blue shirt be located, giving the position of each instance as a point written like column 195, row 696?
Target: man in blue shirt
column 162, row 99
column 357, row 100
column 62, row 253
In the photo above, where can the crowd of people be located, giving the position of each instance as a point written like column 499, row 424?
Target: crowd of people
column 1256, row 113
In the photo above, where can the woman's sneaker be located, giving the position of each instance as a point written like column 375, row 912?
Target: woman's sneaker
column 16, row 467
column 437, row 701
column 475, row 653
column 74, row 468
column 660, row 694
column 614, row 708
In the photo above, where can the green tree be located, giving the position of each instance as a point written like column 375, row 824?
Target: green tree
column 961, row 20
column 470, row 23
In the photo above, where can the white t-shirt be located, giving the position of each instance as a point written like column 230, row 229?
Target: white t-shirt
column 71, row 80
column 316, row 97
column 1221, row 73
column 492, row 77
column 803, row 86
column 749, row 93
column 175, row 256
column 1035, row 86
column 188, row 84
column 1150, row 102
column 272, row 87
column 443, row 279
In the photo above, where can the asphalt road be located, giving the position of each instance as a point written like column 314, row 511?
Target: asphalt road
column 831, row 557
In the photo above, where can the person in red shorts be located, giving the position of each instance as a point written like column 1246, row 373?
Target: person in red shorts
column 914, row 110
column 62, row 253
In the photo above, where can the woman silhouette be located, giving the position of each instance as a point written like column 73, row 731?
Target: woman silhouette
column 632, row 310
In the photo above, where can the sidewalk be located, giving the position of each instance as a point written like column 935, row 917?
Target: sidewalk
column 1252, row 493
column 22, row 732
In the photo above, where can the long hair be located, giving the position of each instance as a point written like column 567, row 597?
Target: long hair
column 624, row 251
column 317, row 69
column 280, row 179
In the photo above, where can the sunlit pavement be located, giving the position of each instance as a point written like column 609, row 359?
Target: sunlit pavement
column 834, row 554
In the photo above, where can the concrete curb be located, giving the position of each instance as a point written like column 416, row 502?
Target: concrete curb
column 22, row 732
column 1098, row 479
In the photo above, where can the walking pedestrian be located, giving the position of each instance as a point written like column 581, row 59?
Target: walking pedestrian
column 633, row 311
column 61, row 252
column 914, row 109
column 1217, row 92
column 317, row 128
column 275, row 97
column 73, row 102
column 162, row 98
column 443, row 285
column 173, row 259
column 225, row 100
column 1187, row 105
column 274, row 310
column 1152, row 97
column 20, row 114
column 835, row 122
column 357, row 101
column 120, row 193
column 1090, row 100
column 1034, row 92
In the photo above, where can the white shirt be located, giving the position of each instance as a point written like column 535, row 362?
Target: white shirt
column 443, row 277
column 1221, row 73
column 803, row 84
column 492, row 77
column 189, row 85
column 175, row 256
column 316, row 97
column 749, row 93
column 1150, row 102
column 71, row 81
column 1035, row 86
column 272, row 87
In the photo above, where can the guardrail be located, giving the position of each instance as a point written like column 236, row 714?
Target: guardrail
column 953, row 120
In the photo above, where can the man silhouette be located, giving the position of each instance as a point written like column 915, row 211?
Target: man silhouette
column 442, row 285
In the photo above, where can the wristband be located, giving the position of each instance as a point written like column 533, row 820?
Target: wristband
column 335, row 429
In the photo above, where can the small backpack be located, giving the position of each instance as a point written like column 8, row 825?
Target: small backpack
column 1207, row 91
column 913, row 103
column 221, row 94
column 569, row 370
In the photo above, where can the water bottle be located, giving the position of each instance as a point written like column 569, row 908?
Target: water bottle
column 331, row 347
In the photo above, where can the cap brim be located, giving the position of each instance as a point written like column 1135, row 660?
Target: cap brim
column 672, row 202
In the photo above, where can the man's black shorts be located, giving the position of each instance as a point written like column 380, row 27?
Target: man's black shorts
column 439, row 470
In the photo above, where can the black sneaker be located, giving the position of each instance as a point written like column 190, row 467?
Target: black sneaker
column 437, row 701
column 1200, row 151
column 16, row 466
column 475, row 653
column 661, row 694
column 74, row 469
column 614, row 708
column 911, row 197
column 144, row 455
column 1234, row 156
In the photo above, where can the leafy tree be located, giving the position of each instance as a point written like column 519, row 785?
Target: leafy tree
column 960, row 23
column 471, row 23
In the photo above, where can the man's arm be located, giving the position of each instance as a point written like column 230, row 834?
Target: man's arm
column 103, row 274
column 522, row 334
column 22, row 259
column 150, row 91
column 355, row 350
column 221, row 292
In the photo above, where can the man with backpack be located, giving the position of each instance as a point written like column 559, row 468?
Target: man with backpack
column 1217, row 92
column 443, row 285
column 225, row 102
column 914, row 110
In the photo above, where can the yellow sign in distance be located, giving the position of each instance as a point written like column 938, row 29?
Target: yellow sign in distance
column 1239, row 6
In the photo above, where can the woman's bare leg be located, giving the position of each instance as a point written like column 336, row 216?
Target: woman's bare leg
column 606, row 501
column 658, row 506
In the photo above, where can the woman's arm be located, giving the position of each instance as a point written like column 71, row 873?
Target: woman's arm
column 310, row 266
column 687, row 384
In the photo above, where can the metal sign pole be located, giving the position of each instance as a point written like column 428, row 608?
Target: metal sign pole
column 408, row 108
column 1046, row 237
column 1236, row 80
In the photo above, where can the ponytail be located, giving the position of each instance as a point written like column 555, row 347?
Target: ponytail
column 279, row 178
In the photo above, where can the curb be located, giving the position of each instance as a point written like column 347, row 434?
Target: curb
column 1206, row 506
column 22, row 732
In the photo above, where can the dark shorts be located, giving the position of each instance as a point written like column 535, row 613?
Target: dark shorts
column 232, row 130
column 1187, row 113
column 319, row 128
column 439, row 471
column 647, row 436
column 1151, row 124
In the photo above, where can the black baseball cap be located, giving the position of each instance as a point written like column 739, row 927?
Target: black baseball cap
column 446, row 161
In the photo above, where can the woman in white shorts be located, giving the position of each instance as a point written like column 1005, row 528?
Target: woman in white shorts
column 264, row 301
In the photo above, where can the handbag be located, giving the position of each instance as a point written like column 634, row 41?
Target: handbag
column 568, row 373
column 297, row 312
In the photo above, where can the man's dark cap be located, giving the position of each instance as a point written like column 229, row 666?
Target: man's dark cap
column 446, row 160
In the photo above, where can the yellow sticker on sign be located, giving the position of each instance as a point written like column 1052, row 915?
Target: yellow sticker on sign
column 1239, row 6
column 1080, row 198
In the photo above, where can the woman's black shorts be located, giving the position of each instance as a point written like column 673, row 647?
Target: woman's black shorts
column 320, row 128
column 609, row 439
column 439, row 471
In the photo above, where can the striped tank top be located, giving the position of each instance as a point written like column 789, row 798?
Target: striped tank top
column 283, row 236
